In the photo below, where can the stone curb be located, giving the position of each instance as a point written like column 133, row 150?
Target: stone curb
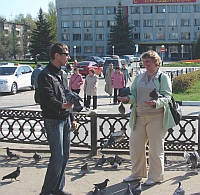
column 189, row 103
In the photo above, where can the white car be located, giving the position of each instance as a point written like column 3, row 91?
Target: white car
column 15, row 77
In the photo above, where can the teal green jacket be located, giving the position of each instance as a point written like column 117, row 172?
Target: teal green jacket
column 165, row 88
column 126, row 75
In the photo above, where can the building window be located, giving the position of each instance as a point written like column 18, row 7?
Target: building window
column 88, row 37
column 147, row 9
column 88, row 49
column 110, row 23
column 173, row 35
column 88, row 24
column 148, row 23
column 136, row 36
column 160, row 9
column 197, row 8
column 185, row 35
column 87, row 10
column 196, row 35
column 111, row 10
column 185, row 8
column 148, row 36
column 136, row 23
column 185, row 22
column 76, row 24
column 197, row 22
column 172, row 8
column 99, row 24
column 99, row 37
column 160, row 22
column 76, row 11
column 173, row 22
column 135, row 10
column 99, row 10
column 65, row 11
column 99, row 49
column 64, row 24
column 65, row 37
column 77, row 37
column 160, row 36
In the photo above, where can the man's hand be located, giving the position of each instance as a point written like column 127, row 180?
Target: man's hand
column 123, row 99
column 66, row 106
column 150, row 103
column 74, row 126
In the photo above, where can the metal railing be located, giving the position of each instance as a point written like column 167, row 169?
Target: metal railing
column 26, row 126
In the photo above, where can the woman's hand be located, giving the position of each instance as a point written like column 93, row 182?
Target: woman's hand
column 123, row 99
column 74, row 126
column 150, row 103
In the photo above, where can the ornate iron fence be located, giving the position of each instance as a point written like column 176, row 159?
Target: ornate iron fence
column 25, row 126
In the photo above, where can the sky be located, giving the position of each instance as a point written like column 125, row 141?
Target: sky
column 11, row 8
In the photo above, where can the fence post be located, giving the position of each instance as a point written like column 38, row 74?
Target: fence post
column 198, row 127
column 93, row 130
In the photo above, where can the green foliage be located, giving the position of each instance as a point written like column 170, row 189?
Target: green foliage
column 41, row 37
column 183, row 64
column 184, row 81
column 121, row 34
column 197, row 49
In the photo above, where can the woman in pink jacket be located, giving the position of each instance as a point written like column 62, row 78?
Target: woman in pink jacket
column 75, row 81
column 117, row 82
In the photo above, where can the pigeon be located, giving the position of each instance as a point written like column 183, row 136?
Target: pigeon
column 85, row 169
column 137, row 189
column 187, row 157
column 121, row 108
column 128, row 191
column 179, row 190
column 13, row 175
column 37, row 157
column 11, row 154
column 95, row 192
column 154, row 94
column 75, row 99
column 111, row 160
column 118, row 160
column 192, row 158
column 124, row 92
column 101, row 161
column 102, row 185
column 115, row 137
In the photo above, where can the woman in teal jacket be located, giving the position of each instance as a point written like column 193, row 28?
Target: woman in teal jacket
column 149, row 121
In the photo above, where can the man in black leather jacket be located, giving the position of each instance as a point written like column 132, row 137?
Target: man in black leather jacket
column 52, row 83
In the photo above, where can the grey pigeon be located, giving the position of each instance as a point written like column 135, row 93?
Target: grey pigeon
column 118, row 161
column 128, row 191
column 101, row 161
column 85, row 169
column 13, row 175
column 179, row 190
column 121, row 108
column 194, row 157
column 137, row 189
column 154, row 94
column 11, row 154
column 114, row 138
column 102, row 185
column 37, row 157
column 124, row 92
column 111, row 160
column 187, row 157
column 95, row 192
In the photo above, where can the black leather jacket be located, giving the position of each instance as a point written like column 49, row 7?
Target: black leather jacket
column 51, row 84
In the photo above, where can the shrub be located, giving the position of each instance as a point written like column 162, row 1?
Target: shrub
column 185, row 81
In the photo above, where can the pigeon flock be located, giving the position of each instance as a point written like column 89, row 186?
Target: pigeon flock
column 191, row 158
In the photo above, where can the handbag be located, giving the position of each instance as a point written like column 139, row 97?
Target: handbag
column 175, row 111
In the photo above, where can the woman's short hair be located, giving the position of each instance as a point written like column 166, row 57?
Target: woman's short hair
column 91, row 70
column 153, row 55
column 117, row 68
column 75, row 69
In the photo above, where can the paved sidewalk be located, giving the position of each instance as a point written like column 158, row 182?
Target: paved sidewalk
column 32, row 175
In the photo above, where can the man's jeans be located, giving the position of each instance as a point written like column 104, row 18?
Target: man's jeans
column 58, row 136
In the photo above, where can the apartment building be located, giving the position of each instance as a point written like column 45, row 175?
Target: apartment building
column 172, row 26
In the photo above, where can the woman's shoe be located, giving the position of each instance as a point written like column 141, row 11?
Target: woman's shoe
column 149, row 182
column 131, row 178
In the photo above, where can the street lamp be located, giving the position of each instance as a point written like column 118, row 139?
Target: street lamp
column 162, row 51
column 113, row 49
column 74, row 52
column 182, row 46
column 191, row 52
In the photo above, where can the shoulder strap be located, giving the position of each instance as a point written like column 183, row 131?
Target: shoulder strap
column 159, row 78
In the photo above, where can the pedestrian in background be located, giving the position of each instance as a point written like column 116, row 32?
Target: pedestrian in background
column 75, row 81
column 117, row 82
column 34, row 78
column 90, row 89
column 124, row 70
column 108, row 86
column 149, row 121
column 52, row 82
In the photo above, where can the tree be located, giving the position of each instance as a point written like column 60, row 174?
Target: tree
column 197, row 49
column 121, row 34
column 51, row 18
column 41, row 37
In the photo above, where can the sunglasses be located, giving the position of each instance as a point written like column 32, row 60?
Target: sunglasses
column 67, row 54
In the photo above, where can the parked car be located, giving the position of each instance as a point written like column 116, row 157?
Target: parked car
column 15, row 77
column 128, row 58
column 96, row 59
column 84, row 67
column 117, row 62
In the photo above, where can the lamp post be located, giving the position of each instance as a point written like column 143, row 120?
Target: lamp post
column 191, row 52
column 182, row 46
column 162, row 49
column 74, row 52
column 113, row 49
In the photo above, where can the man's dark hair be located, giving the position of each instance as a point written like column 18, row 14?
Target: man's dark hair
column 57, row 48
